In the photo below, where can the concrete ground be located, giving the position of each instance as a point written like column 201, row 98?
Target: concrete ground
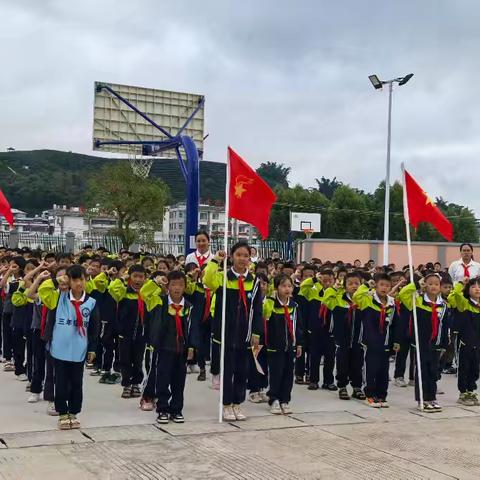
column 324, row 438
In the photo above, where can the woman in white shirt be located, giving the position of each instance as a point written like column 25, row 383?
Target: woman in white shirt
column 203, row 254
column 466, row 267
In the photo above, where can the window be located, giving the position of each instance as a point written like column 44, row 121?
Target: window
column 203, row 216
column 215, row 216
column 180, row 226
column 180, row 214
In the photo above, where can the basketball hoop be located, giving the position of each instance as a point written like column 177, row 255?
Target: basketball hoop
column 308, row 232
column 140, row 165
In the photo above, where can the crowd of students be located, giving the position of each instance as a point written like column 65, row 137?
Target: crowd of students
column 144, row 320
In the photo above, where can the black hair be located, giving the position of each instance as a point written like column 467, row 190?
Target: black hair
column 446, row 280
column 289, row 265
column 144, row 259
column 309, row 266
column 76, row 271
column 382, row 276
column 97, row 259
column 261, row 276
column 176, row 275
column 190, row 266
column 20, row 261
column 64, row 255
column 466, row 289
column 429, row 266
column 354, row 275
column 279, row 279
column 261, row 265
column 83, row 258
column 437, row 263
column 466, row 245
column 33, row 262
column 88, row 246
column 327, row 271
column 136, row 268
column 171, row 257
column 240, row 244
column 202, row 232
column 430, row 273
column 50, row 255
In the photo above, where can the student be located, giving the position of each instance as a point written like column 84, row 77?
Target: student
column 378, row 315
column 283, row 341
column 131, row 329
column 203, row 253
column 173, row 338
column 431, row 311
column 466, row 300
column 71, row 333
column 347, row 326
column 243, row 324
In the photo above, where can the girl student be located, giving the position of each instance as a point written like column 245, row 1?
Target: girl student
column 283, row 340
column 432, row 339
column 466, row 301
column 243, row 323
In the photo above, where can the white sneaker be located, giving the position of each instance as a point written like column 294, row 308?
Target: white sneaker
column 34, row 398
column 9, row 367
column 193, row 369
column 275, row 408
column 228, row 414
column 216, row 382
column 22, row 377
column 51, row 410
column 400, row 382
column 286, row 408
column 239, row 415
column 254, row 397
column 263, row 397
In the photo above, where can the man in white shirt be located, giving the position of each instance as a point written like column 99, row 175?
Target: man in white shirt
column 466, row 267
column 203, row 254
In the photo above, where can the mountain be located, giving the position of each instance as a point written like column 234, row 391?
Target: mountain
column 34, row 180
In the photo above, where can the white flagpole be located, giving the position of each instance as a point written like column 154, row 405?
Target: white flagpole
column 224, row 294
column 406, row 214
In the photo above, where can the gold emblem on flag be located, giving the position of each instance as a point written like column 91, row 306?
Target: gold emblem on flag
column 240, row 182
column 428, row 200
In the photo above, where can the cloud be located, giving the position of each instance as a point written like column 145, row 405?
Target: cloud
column 284, row 81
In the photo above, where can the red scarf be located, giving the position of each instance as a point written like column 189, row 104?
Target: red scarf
column 466, row 272
column 201, row 259
column 241, row 291
column 208, row 304
column 383, row 314
column 76, row 305
column 178, row 324
column 323, row 313
column 140, row 309
column 435, row 321
column 43, row 321
column 288, row 321
column 351, row 308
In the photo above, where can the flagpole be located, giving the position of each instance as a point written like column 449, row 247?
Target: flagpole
column 224, row 291
column 406, row 215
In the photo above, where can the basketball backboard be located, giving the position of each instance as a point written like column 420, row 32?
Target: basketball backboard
column 113, row 120
column 301, row 222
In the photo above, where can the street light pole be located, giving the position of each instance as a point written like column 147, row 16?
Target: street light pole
column 378, row 85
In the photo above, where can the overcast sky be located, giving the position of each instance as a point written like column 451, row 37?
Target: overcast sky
column 284, row 81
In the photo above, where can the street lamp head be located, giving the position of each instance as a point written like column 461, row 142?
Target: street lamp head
column 376, row 82
column 405, row 79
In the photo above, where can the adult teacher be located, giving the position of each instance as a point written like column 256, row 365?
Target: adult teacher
column 466, row 267
column 203, row 253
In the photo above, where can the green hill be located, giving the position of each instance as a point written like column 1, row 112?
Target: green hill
column 41, row 178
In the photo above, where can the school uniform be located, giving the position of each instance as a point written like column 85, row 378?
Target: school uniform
column 92, row 289
column 377, row 339
column 406, row 349
column 7, row 340
column 20, row 326
column 302, row 363
column 347, row 331
column 243, row 320
column 71, row 331
column 283, row 334
column 432, row 337
column 199, row 258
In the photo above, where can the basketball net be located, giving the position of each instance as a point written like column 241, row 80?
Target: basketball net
column 308, row 232
column 140, row 165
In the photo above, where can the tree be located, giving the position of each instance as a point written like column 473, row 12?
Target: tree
column 275, row 174
column 327, row 186
column 137, row 203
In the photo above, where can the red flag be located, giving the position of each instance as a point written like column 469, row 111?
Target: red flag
column 422, row 209
column 5, row 209
column 250, row 197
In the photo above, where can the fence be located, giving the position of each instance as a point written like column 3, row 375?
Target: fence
column 71, row 243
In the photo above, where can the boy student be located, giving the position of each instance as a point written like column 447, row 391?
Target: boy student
column 131, row 329
column 243, row 324
column 320, row 338
column 283, row 341
column 378, row 315
column 71, row 333
column 466, row 299
column 173, row 337
column 432, row 338
column 347, row 326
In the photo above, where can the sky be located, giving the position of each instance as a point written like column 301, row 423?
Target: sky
column 284, row 81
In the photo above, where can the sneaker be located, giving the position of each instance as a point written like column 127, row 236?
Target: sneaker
column 450, row 371
column 400, row 382
column 9, row 367
column 237, row 411
column 275, row 408
column 64, row 422
column 216, row 382
column 383, row 403
column 51, row 409
column 202, row 376
column 163, row 418
column 263, row 397
column 104, row 378
column 332, row 387
column 34, row 398
column 192, row 369
column 177, row 417
column 74, row 423
column 343, row 394
column 96, row 373
column 474, row 397
column 28, row 386
column 427, row 407
column 286, row 409
column 372, row 402
column 136, row 392
column 465, row 399
column 313, row 386
column 146, row 404
column 437, row 407
column 299, row 380
column 358, row 394
column 228, row 414
column 113, row 378
column 22, row 377
column 254, row 397
column 411, row 383
column 127, row 392
column 89, row 366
